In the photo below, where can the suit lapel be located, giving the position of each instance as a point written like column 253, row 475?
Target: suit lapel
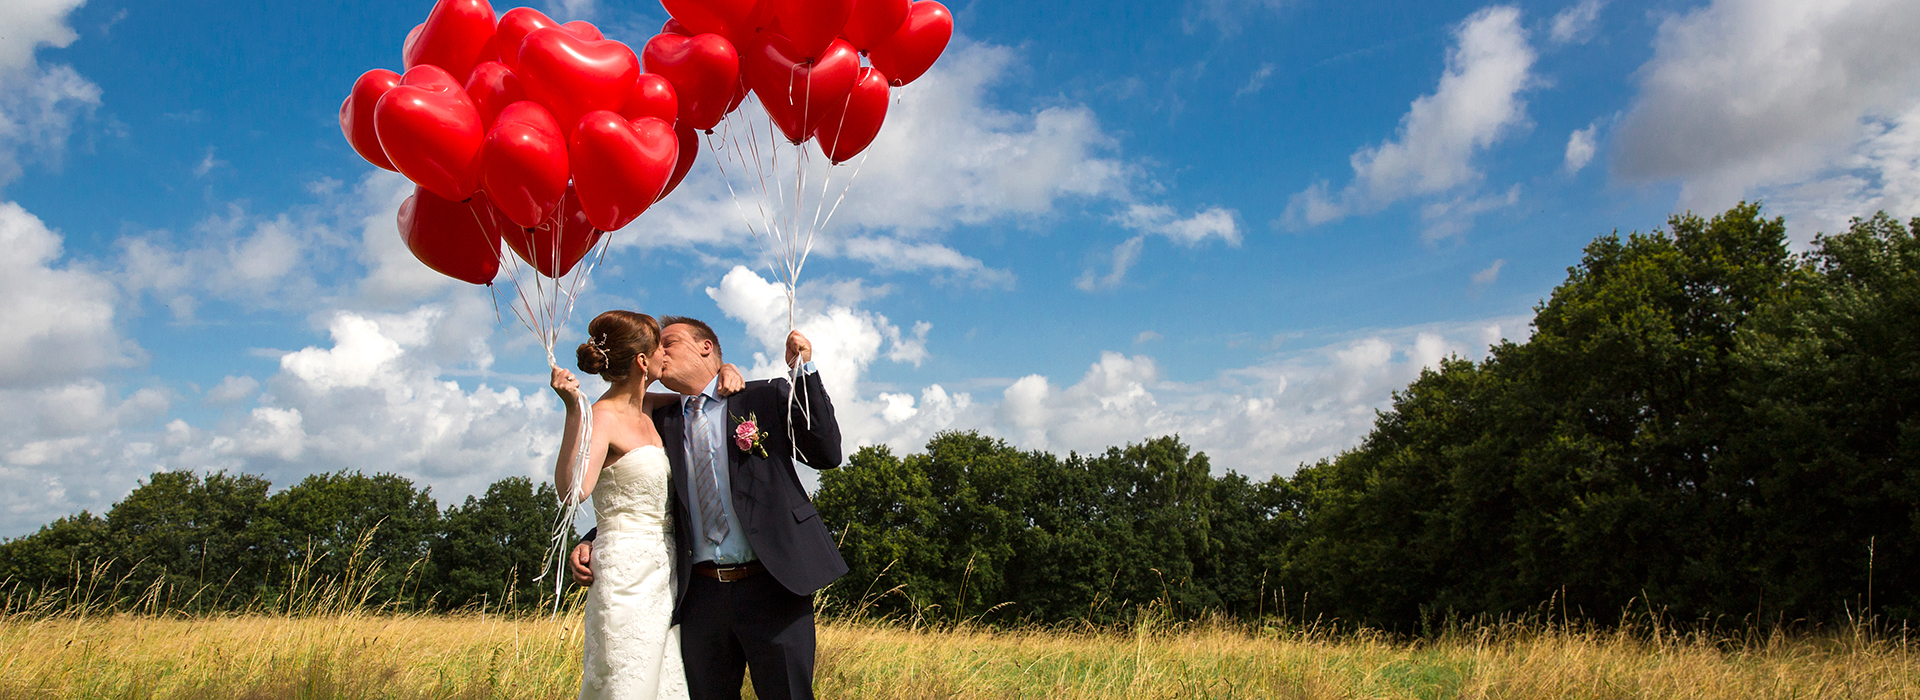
column 738, row 473
column 673, row 436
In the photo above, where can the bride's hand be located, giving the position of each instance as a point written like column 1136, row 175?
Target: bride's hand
column 730, row 380
column 564, row 383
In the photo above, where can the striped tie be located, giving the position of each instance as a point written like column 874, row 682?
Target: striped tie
column 713, row 520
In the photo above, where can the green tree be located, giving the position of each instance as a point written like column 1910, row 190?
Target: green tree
column 1582, row 464
column 325, row 517
column 885, row 510
column 975, row 527
column 492, row 548
column 61, row 554
column 1831, row 444
column 193, row 535
column 1152, row 507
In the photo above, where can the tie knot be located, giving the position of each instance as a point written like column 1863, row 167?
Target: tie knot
column 696, row 402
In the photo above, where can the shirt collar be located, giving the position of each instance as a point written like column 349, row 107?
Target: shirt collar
column 712, row 392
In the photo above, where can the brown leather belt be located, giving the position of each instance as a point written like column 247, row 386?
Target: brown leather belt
column 729, row 573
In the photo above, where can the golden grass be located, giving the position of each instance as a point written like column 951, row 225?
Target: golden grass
column 351, row 656
column 1224, row 661
column 477, row 656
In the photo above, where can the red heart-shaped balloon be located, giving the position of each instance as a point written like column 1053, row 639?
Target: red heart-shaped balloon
column 653, row 97
column 689, row 138
column 433, row 78
column 812, row 24
column 913, row 49
column 523, row 164
column 554, row 247
column 413, row 39
column 850, row 126
column 584, row 29
column 451, row 237
column 795, row 91
column 573, row 76
column 493, row 86
column 673, row 26
column 356, row 114
column 733, row 19
column 514, row 27
column 431, row 132
column 874, row 21
column 704, row 71
column 453, row 36
column 740, row 91
column 620, row 167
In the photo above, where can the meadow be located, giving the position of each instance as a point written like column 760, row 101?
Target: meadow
column 373, row 655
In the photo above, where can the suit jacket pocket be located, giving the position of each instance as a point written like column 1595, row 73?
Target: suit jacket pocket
column 804, row 513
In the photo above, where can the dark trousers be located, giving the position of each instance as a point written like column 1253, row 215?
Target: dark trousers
column 754, row 624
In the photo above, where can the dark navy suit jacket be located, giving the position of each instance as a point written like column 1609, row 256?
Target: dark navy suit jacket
column 782, row 526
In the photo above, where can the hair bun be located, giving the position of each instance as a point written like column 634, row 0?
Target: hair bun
column 619, row 338
column 590, row 358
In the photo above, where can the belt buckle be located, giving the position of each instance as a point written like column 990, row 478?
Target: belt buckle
column 726, row 573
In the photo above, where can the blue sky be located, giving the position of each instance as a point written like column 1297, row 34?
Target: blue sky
column 1245, row 222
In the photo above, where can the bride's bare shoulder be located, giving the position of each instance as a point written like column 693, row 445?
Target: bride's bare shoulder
column 613, row 415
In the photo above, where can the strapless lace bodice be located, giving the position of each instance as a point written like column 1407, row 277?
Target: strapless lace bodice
column 632, row 649
column 632, row 491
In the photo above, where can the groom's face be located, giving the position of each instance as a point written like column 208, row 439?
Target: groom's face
column 686, row 362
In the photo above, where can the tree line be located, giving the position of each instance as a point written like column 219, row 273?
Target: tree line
column 1703, row 425
column 224, row 543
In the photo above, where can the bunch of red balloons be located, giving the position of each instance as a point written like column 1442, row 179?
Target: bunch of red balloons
column 544, row 135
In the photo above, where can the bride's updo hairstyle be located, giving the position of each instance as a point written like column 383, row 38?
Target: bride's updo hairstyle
column 614, row 339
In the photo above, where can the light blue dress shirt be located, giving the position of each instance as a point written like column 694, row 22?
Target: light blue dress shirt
column 733, row 549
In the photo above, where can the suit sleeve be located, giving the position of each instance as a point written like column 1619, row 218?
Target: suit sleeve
column 816, row 433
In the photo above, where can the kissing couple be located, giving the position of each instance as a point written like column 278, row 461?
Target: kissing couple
column 706, row 550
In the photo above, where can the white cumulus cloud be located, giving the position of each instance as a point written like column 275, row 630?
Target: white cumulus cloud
column 58, row 316
column 1262, row 419
column 38, row 103
column 1811, row 104
column 1574, row 24
column 1489, row 275
column 1119, row 262
column 1580, row 147
column 947, row 156
column 1478, row 103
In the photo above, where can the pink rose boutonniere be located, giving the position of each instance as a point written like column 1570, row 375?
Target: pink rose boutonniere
column 747, row 435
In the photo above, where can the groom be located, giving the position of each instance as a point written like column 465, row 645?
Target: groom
column 751, row 548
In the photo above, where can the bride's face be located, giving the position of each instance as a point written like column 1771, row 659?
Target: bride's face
column 653, row 364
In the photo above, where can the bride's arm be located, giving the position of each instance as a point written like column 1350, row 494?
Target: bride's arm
column 565, row 469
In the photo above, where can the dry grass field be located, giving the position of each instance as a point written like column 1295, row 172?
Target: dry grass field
column 357, row 655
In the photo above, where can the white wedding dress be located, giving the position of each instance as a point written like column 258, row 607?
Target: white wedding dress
column 632, row 650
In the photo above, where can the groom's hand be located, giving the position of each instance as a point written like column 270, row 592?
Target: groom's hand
column 582, row 563
column 798, row 347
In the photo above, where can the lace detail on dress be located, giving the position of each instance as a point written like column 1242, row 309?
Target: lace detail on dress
column 632, row 652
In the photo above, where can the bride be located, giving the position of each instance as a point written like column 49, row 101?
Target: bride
column 632, row 650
